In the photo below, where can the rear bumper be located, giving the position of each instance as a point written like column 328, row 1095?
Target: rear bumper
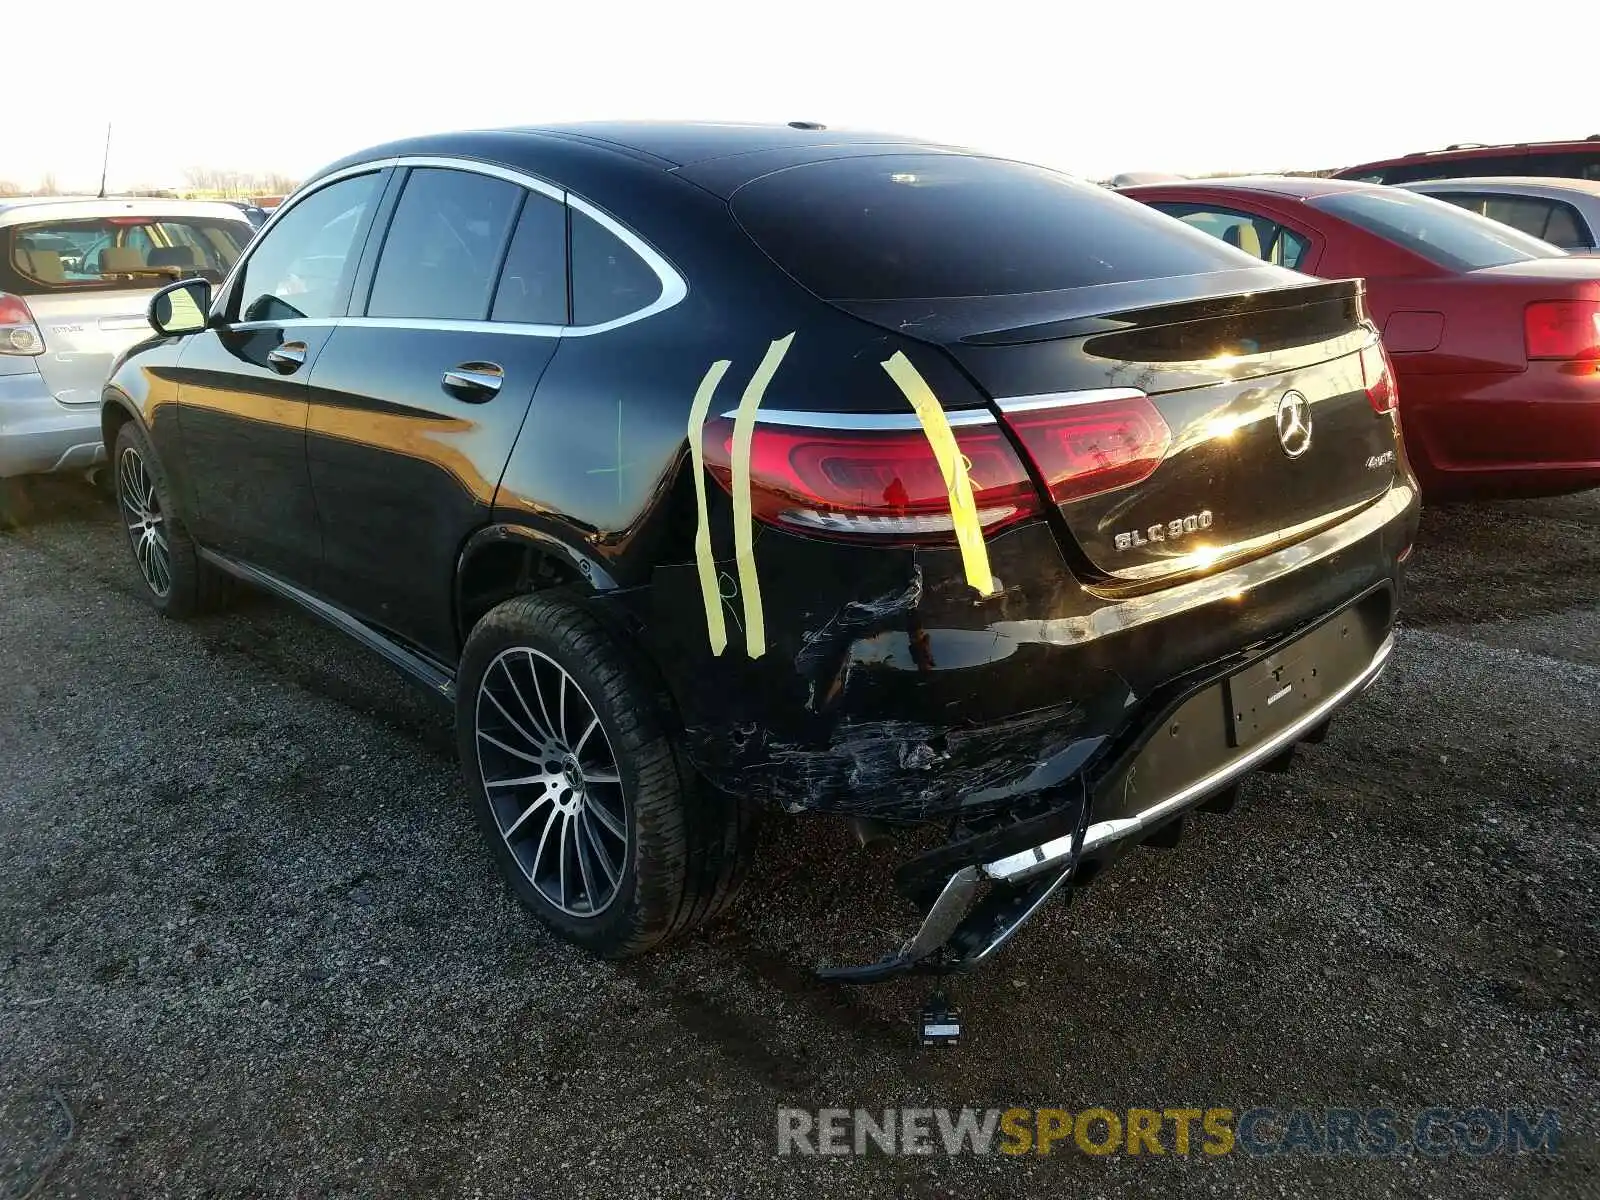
column 1530, row 432
column 39, row 434
column 888, row 691
column 1100, row 834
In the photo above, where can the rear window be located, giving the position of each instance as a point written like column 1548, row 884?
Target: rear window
column 122, row 252
column 1440, row 232
column 924, row 226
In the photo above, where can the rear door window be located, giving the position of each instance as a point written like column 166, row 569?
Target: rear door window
column 533, row 282
column 121, row 252
column 443, row 250
column 924, row 226
column 1256, row 235
column 1439, row 232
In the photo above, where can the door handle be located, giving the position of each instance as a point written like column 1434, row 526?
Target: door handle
column 473, row 381
column 287, row 358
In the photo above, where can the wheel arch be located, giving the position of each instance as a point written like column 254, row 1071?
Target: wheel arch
column 501, row 561
column 116, row 410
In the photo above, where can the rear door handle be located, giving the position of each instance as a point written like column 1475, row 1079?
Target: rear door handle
column 474, row 381
column 287, row 358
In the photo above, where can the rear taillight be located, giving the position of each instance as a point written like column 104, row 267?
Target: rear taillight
column 1564, row 329
column 1377, row 376
column 881, row 482
column 1082, row 449
column 18, row 333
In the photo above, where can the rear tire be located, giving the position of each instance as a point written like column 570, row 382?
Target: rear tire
column 592, row 819
column 176, row 581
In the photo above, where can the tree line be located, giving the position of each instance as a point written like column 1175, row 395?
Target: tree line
column 197, row 181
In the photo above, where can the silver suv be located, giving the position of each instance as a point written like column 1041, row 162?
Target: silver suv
column 75, row 278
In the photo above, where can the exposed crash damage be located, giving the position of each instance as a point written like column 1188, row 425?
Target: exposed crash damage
column 905, row 771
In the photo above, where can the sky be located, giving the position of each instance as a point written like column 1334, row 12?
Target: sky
column 287, row 86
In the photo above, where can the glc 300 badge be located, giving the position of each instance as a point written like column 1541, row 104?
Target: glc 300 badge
column 1167, row 531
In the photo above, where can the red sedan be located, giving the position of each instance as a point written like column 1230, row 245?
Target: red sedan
column 1495, row 336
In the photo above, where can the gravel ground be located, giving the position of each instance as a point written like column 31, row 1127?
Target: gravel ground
column 250, row 945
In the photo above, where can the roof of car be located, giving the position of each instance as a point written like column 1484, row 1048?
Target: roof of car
column 14, row 209
column 717, row 156
column 1300, row 187
column 1517, row 185
column 681, row 143
column 1472, row 149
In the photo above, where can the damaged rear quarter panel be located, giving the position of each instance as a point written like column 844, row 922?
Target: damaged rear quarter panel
column 885, row 689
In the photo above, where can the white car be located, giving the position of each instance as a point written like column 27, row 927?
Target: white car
column 1563, row 212
column 75, row 278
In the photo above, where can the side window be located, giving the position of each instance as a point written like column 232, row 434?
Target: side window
column 1552, row 220
column 1253, row 235
column 443, row 249
column 1520, row 212
column 608, row 279
column 533, row 283
column 1292, row 249
column 302, row 266
column 1578, row 164
column 1472, row 203
column 1567, row 228
column 1458, row 168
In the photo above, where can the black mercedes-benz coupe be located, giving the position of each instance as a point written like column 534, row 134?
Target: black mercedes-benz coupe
column 713, row 468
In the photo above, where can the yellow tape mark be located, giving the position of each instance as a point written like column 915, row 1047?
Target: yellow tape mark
column 744, row 423
column 953, row 464
column 710, row 593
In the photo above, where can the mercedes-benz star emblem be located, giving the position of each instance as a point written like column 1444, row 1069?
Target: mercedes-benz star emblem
column 1294, row 424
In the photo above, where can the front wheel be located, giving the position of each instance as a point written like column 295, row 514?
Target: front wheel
column 592, row 820
column 176, row 581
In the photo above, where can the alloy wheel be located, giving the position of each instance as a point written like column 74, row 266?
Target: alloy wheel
column 141, row 513
column 553, row 782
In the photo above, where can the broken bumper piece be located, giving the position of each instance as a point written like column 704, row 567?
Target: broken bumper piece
column 1025, row 863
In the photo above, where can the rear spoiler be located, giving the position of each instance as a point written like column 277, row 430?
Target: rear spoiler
column 1099, row 308
column 1339, row 294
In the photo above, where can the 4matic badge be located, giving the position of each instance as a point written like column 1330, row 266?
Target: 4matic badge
column 1166, row 531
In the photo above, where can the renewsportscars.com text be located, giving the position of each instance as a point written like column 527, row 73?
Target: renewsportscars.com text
column 1177, row 1131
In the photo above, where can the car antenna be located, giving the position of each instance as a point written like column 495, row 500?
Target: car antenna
column 105, row 162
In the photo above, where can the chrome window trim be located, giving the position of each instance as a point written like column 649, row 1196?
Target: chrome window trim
column 1044, row 400
column 478, row 167
column 673, row 286
column 858, row 422
column 290, row 323
column 442, row 324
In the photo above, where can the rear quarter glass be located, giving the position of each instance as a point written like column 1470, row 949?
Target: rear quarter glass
column 924, row 226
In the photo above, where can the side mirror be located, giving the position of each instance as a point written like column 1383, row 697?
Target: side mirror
column 180, row 308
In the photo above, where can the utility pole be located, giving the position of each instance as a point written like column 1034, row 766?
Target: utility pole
column 105, row 162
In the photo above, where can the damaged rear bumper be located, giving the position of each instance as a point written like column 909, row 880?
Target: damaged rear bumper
column 889, row 692
column 1101, row 834
column 1021, row 867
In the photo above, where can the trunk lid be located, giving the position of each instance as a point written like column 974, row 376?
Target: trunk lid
column 83, row 332
column 1261, row 384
